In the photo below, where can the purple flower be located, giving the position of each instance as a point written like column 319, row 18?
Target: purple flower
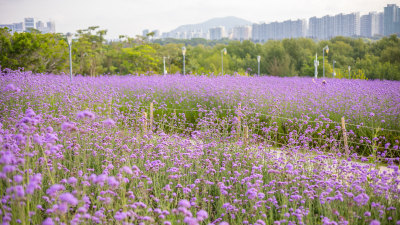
column 120, row 215
column 202, row 215
column 72, row 180
column 367, row 214
column 85, row 114
column 52, row 191
column 251, row 193
column 259, row 222
column 12, row 88
column 375, row 222
column 289, row 167
column 273, row 171
column 109, row 123
column 34, row 183
column 38, row 139
column 30, row 113
column 68, row 198
column 327, row 221
column 224, row 223
column 82, row 210
column 100, row 179
column 18, row 191
column 127, row 170
column 18, row 178
column 112, row 182
column 7, row 157
column 48, row 221
column 361, row 199
column 68, row 126
column 184, row 203
column 190, row 221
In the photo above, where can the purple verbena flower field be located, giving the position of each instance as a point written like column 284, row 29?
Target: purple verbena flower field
column 198, row 150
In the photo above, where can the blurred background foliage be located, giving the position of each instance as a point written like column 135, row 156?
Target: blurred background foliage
column 93, row 55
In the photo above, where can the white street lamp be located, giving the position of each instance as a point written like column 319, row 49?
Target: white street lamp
column 223, row 52
column 258, row 60
column 326, row 48
column 165, row 72
column 316, row 64
column 349, row 68
column 183, row 53
column 333, row 73
column 69, row 39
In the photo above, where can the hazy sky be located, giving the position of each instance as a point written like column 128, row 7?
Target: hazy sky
column 130, row 17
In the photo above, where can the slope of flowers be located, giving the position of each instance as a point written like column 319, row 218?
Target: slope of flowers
column 282, row 111
column 79, row 153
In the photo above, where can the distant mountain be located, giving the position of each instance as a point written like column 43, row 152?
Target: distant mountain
column 227, row 22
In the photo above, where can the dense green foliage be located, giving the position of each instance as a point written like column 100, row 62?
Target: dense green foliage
column 93, row 55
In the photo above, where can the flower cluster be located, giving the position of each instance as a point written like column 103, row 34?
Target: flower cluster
column 89, row 152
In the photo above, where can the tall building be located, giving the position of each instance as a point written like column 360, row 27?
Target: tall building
column 373, row 24
column 40, row 26
column 51, row 27
column 365, row 25
column 351, row 25
column 319, row 27
column 241, row 33
column 9, row 26
column 313, row 27
column 19, row 27
column 217, row 33
column 391, row 20
column 381, row 25
column 279, row 30
column 256, row 32
column 145, row 32
column 15, row 27
column 29, row 24
column 298, row 28
column 156, row 33
column 347, row 25
column 370, row 25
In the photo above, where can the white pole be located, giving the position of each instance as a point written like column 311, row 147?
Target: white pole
column 69, row 40
column 222, row 62
column 183, row 53
column 70, row 62
column 316, row 63
column 164, row 66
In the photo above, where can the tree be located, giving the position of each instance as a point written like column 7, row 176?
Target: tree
column 88, row 51
column 93, row 55
column 33, row 51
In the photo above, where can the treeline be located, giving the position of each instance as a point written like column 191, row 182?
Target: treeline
column 92, row 55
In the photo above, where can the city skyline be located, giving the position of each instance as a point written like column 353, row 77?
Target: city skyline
column 132, row 17
column 371, row 25
column 29, row 23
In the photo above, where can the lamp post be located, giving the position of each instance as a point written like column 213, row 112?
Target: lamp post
column 316, row 64
column 183, row 53
column 165, row 72
column 333, row 73
column 223, row 52
column 258, row 60
column 349, row 71
column 326, row 48
column 69, row 39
